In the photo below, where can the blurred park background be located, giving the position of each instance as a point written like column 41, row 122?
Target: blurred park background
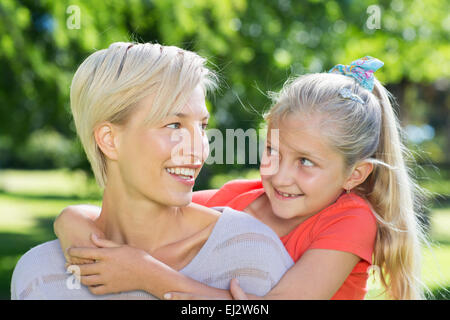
column 254, row 46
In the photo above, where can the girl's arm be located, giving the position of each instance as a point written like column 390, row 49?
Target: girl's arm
column 121, row 268
column 73, row 227
column 317, row 275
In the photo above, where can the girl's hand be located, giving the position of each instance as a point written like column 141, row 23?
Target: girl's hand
column 73, row 227
column 236, row 293
column 117, row 268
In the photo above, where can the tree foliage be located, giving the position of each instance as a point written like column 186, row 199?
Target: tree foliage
column 253, row 45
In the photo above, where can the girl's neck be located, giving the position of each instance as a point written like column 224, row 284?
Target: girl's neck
column 137, row 221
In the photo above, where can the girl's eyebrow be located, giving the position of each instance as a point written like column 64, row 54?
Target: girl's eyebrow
column 303, row 152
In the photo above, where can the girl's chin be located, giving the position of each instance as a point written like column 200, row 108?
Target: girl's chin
column 286, row 211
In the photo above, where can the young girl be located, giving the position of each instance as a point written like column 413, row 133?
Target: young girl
column 342, row 197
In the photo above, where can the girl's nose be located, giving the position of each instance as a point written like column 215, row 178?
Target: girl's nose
column 283, row 176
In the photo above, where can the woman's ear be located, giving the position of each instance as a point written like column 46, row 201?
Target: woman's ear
column 106, row 137
column 358, row 175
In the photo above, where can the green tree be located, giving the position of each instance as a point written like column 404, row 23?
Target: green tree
column 253, row 45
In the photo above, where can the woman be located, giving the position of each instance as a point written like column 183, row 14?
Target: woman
column 140, row 113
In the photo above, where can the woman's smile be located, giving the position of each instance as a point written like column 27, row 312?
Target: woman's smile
column 185, row 175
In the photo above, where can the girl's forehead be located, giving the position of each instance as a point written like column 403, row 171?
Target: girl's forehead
column 292, row 126
column 300, row 134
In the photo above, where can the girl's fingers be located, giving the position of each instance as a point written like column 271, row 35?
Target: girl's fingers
column 88, row 269
column 103, row 243
column 85, row 253
column 236, row 291
column 93, row 280
column 98, row 290
column 84, row 269
column 73, row 260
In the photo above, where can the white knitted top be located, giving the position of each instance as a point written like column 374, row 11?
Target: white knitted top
column 239, row 246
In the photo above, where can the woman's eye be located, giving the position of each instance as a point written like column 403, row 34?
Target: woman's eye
column 271, row 152
column 306, row 162
column 175, row 125
column 204, row 126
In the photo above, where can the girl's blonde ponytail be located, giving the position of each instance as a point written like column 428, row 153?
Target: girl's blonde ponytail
column 397, row 201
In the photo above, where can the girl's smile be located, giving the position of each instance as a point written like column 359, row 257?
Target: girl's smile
column 286, row 196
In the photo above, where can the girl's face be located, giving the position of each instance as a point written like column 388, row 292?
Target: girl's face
column 310, row 174
column 160, row 162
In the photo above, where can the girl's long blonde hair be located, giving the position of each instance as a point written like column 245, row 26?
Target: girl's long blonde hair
column 369, row 131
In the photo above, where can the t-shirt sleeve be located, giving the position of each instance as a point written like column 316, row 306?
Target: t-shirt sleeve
column 255, row 259
column 202, row 197
column 244, row 248
column 351, row 231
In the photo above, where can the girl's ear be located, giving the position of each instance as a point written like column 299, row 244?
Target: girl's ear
column 358, row 175
column 106, row 137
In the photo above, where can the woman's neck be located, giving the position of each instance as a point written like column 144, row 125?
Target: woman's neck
column 137, row 221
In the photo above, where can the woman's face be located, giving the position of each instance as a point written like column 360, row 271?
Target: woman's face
column 160, row 162
column 309, row 174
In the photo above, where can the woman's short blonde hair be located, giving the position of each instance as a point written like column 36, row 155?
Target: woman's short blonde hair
column 110, row 82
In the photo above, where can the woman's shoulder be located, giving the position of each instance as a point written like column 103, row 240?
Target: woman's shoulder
column 240, row 246
column 200, row 215
column 46, row 258
column 49, row 252
column 226, row 217
column 237, row 228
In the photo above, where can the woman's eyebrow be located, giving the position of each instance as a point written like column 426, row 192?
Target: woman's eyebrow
column 183, row 115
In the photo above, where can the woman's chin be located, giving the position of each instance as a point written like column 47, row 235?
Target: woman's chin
column 181, row 200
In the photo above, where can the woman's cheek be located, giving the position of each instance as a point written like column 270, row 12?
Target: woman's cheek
column 205, row 148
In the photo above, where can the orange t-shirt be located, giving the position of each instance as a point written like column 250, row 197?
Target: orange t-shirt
column 346, row 225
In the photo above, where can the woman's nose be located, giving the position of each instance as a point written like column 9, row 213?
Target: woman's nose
column 192, row 146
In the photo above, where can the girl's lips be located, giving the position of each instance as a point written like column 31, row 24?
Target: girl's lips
column 278, row 195
column 189, row 182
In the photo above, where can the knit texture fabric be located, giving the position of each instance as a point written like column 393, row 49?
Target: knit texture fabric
column 239, row 246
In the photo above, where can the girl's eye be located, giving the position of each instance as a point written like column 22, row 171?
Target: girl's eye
column 306, row 162
column 175, row 125
column 204, row 126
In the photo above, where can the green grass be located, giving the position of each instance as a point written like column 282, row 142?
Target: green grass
column 30, row 200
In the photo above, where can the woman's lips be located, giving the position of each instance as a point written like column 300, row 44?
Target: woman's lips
column 183, row 179
column 286, row 196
